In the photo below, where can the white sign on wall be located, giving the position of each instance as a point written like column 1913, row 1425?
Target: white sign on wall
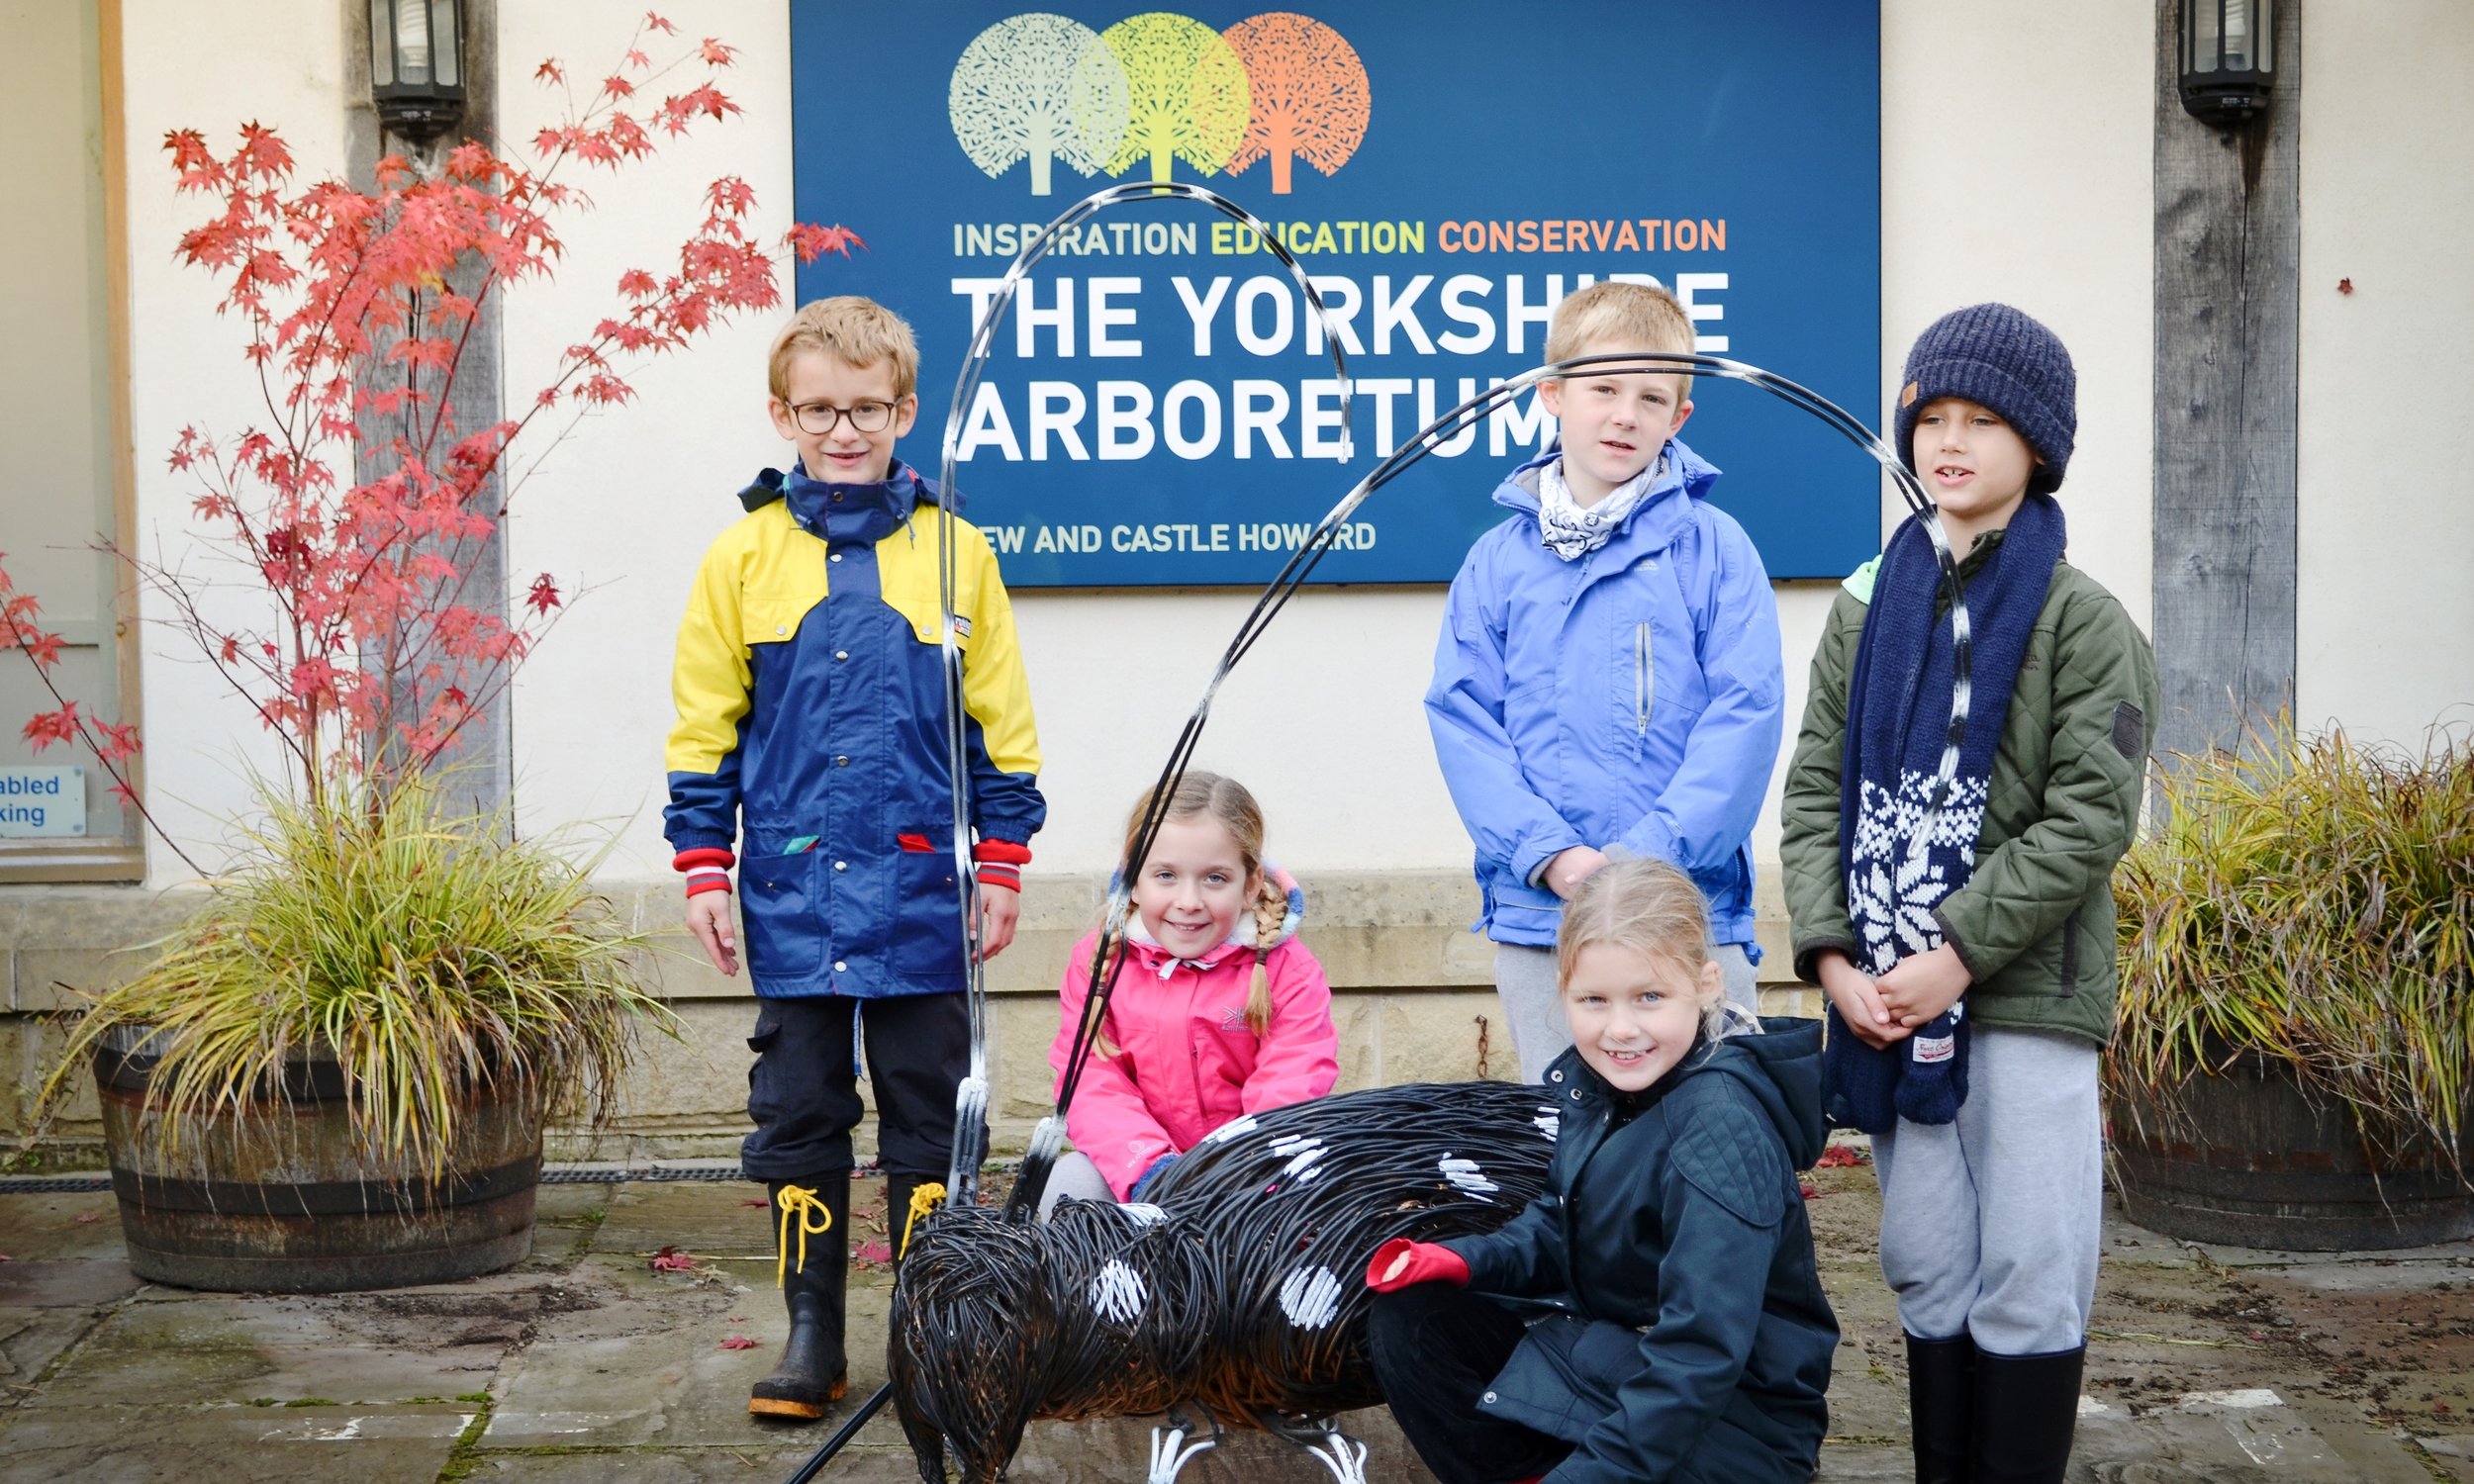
column 35, row 801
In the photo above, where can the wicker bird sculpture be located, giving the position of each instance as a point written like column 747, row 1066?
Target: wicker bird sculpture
column 1239, row 1294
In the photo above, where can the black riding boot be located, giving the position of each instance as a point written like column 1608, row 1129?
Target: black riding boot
column 815, row 1267
column 1940, row 1398
column 2026, row 1408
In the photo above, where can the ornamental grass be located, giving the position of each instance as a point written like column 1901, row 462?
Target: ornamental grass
column 424, row 952
column 2309, row 901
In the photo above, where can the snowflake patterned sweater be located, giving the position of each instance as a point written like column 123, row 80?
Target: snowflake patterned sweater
column 2033, row 924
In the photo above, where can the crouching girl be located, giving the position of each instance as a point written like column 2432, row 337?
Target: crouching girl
column 1655, row 1315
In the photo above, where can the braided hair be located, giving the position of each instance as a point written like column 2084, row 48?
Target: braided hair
column 1227, row 803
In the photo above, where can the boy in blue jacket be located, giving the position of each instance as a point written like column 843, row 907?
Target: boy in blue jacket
column 812, row 732
column 1655, row 1316
column 1608, row 681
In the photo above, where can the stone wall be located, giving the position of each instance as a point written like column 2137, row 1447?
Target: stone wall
column 1412, row 986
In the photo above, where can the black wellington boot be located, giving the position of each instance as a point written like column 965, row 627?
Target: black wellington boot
column 2027, row 1409
column 1940, row 1399
column 899, row 1189
column 811, row 1234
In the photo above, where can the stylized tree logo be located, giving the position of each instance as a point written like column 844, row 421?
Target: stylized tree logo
column 1041, row 86
column 1186, row 89
column 1310, row 94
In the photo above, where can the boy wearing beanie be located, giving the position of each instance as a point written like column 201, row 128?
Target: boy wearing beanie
column 1967, row 951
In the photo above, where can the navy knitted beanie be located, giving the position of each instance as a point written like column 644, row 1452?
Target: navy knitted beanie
column 1997, row 358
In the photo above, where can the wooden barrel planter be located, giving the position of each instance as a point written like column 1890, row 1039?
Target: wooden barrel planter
column 282, row 1198
column 2245, row 1158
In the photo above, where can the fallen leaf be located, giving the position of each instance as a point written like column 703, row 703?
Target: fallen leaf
column 671, row 1260
column 88, row 1217
column 1808, row 1190
column 1839, row 1156
column 738, row 1342
column 873, row 1252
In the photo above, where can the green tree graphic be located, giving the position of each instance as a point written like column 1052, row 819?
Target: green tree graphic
column 1187, row 91
column 1041, row 87
column 1310, row 94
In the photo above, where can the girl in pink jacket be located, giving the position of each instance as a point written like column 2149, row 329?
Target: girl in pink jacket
column 1220, row 1011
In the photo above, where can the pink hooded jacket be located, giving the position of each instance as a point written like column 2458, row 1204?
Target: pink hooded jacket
column 1188, row 1061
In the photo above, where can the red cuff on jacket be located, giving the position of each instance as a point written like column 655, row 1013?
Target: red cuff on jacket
column 707, row 868
column 1001, row 862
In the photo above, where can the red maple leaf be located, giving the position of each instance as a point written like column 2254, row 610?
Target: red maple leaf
column 671, row 1260
column 738, row 1342
column 812, row 242
column 550, row 71
column 544, row 596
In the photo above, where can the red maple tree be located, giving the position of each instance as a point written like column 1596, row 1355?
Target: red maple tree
column 357, row 648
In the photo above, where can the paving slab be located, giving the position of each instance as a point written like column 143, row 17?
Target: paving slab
column 74, row 1284
column 642, row 1362
column 270, row 1347
column 179, row 1445
column 60, row 1227
column 754, row 1463
column 30, row 1340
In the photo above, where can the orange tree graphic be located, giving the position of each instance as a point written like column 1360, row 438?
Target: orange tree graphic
column 1040, row 87
column 1187, row 93
column 1310, row 94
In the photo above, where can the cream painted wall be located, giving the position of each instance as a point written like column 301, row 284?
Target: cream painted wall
column 2016, row 166
column 2385, row 615
column 209, row 69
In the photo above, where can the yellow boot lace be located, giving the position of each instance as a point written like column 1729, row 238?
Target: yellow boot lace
column 799, row 1204
column 923, row 1199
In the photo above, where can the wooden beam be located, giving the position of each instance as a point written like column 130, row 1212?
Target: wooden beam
column 2228, row 311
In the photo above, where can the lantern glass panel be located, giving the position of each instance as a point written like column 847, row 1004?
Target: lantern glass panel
column 2203, row 49
column 450, row 47
column 411, row 40
column 2263, row 16
column 382, row 42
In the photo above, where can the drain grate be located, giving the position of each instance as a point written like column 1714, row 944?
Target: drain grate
column 555, row 1174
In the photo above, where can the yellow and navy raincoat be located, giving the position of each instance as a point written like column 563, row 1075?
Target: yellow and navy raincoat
column 811, row 698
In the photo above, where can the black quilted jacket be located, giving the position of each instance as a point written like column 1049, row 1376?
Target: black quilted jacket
column 1686, row 1336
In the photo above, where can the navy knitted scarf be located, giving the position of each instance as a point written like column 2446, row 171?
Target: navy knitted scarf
column 1898, row 710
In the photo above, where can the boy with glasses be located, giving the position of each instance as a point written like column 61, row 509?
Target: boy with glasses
column 811, row 735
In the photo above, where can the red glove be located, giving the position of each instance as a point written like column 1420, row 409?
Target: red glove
column 1399, row 1262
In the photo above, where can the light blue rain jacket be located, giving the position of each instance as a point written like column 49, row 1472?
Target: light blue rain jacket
column 1629, row 698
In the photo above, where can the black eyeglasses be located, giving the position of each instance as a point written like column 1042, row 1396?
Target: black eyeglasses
column 820, row 418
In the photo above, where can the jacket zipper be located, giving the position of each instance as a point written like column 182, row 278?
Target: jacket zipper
column 1644, row 678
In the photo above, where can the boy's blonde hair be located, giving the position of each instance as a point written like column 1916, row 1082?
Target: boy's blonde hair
column 1652, row 910
column 856, row 330
column 1626, row 315
column 1225, row 801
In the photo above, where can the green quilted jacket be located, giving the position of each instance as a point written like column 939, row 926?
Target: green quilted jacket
column 2035, row 923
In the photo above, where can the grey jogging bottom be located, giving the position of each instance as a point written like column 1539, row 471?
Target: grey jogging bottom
column 1991, row 1225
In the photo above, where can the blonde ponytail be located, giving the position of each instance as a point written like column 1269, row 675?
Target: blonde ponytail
column 1271, row 914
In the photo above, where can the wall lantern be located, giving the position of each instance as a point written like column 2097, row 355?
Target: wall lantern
column 2228, row 62
column 417, row 65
